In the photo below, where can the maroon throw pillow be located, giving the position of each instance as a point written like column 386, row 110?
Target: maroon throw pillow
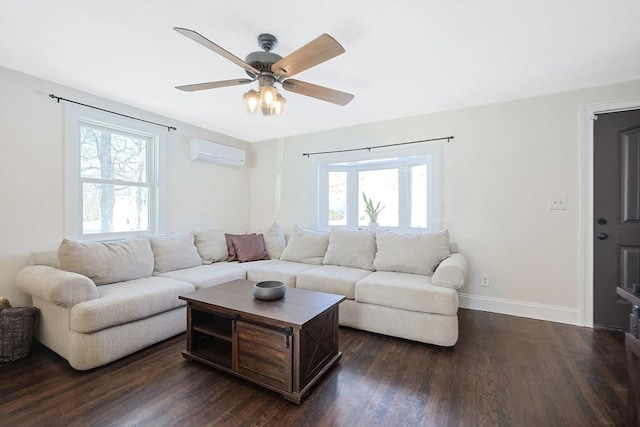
column 249, row 247
column 230, row 248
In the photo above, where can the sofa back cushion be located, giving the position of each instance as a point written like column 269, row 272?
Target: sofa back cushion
column 306, row 246
column 174, row 251
column 108, row 262
column 349, row 248
column 274, row 241
column 418, row 253
column 211, row 246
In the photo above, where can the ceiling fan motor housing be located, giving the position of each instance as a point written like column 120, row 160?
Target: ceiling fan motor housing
column 262, row 61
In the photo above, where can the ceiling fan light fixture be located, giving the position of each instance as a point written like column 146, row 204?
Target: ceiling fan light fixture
column 268, row 95
column 251, row 101
column 277, row 108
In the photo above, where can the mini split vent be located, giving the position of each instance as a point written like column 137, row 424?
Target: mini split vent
column 214, row 153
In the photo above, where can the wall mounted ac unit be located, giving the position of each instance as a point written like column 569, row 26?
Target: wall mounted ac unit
column 212, row 152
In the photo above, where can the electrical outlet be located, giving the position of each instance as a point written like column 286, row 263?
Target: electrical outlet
column 557, row 203
column 484, row 280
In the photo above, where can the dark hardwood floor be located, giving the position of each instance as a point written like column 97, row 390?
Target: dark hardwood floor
column 504, row 371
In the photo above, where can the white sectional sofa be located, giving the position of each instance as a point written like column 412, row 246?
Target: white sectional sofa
column 101, row 301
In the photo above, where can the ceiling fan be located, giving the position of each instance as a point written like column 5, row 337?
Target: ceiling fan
column 269, row 68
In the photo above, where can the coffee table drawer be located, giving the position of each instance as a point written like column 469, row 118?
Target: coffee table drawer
column 264, row 355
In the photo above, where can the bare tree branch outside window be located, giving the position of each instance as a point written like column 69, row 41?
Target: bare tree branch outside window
column 115, row 188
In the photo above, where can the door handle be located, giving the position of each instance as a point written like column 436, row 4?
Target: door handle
column 602, row 236
column 602, row 221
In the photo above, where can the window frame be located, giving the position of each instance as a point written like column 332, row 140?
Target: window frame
column 75, row 117
column 403, row 160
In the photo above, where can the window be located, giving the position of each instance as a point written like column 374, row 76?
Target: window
column 407, row 188
column 381, row 186
column 112, row 176
column 337, row 198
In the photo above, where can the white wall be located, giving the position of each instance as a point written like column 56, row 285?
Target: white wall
column 32, row 208
column 504, row 164
column 506, row 161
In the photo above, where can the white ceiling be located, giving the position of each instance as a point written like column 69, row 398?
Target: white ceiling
column 402, row 58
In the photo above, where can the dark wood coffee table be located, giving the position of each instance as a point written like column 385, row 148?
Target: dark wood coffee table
column 285, row 345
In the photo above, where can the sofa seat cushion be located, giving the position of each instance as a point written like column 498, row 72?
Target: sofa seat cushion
column 406, row 291
column 125, row 302
column 205, row 276
column 282, row 271
column 251, row 265
column 332, row 279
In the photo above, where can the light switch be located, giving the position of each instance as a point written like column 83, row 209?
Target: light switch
column 558, row 203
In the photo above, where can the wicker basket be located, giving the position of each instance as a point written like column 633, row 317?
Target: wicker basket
column 16, row 332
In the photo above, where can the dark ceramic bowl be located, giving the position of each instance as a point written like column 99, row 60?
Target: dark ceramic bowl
column 269, row 290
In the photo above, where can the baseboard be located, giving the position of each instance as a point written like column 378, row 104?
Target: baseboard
column 521, row 309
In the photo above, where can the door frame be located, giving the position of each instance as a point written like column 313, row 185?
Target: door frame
column 586, row 240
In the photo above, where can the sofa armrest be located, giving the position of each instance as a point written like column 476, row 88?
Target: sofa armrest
column 57, row 286
column 451, row 273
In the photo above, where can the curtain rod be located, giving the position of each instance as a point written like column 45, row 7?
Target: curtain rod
column 448, row 138
column 59, row 98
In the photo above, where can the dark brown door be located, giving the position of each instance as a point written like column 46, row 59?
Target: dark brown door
column 616, row 214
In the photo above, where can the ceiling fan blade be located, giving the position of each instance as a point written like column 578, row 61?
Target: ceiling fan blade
column 313, row 53
column 315, row 91
column 199, row 38
column 213, row 85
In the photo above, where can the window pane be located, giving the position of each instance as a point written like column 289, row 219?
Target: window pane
column 382, row 187
column 114, row 208
column 110, row 154
column 337, row 198
column 419, row 196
